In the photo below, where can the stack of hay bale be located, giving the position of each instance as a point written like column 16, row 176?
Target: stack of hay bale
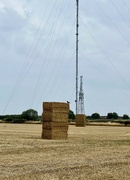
column 80, row 120
column 55, row 120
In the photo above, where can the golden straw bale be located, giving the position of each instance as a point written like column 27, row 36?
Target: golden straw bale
column 49, row 134
column 54, row 117
column 80, row 116
column 61, row 126
column 55, row 120
column 56, row 106
column 80, row 120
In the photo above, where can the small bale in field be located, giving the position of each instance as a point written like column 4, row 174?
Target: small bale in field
column 80, row 120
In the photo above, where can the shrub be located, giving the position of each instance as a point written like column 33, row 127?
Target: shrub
column 18, row 120
column 110, row 115
column 113, row 115
column 71, row 115
column 95, row 116
column 8, row 119
column 125, row 116
column 29, row 115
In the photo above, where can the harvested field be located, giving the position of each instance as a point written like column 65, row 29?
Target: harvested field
column 90, row 153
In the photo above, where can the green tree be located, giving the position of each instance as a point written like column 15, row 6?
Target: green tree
column 30, row 114
column 71, row 115
column 125, row 116
column 95, row 116
column 9, row 119
column 115, row 115
column 110, row 115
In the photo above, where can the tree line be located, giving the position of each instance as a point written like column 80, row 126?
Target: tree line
column 111, row 115
column 28, row 115
column 32, row 115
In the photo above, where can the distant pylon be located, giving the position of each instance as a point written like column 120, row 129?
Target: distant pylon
column 81, row 98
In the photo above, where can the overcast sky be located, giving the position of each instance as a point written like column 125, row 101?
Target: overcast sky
column 37, row 54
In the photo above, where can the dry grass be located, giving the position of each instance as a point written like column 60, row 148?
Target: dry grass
column 90, row 153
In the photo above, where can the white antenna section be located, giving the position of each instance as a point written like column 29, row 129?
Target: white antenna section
column 81, row 98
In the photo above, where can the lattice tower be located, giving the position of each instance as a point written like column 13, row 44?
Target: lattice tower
column 81, row 98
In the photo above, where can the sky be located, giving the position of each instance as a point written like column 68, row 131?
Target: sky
column 38, row 58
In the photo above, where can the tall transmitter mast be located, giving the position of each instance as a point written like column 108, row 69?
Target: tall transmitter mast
column 80, row 100
column 77, row 41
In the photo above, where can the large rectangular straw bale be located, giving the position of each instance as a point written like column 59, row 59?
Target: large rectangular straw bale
column 56, row 106
column 49, row 134
column 55, row 120
column 61, row 126
column 80, row 120
column 54, row 117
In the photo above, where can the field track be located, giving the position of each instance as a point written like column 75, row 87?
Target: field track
column 90, row 153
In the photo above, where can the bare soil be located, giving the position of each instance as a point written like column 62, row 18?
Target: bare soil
column 90, row 153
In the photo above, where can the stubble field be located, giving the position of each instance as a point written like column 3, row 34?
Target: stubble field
column 90, row 153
